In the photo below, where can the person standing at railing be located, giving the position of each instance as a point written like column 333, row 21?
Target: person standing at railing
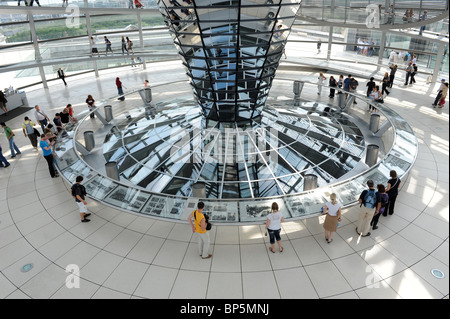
column 391, row 14
column 130, row 4
column 320, row 80
column 409, row 70
column 119, row 89
column 392, row 74
column 333, row 84
column 385, row 84
column 423, row 17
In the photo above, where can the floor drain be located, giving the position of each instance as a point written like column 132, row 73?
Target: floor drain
column 27, row 267
column 437, row 273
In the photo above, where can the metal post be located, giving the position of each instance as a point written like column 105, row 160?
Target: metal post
column 341, row 99
column 372, row 155
column 298, row 87
column 108, row 113
column 330, row 42
column 141, row 38
column 437, row 64
column 146, row 95
column 112, row 171
column 381, row 51
column 37, row 52
column 89, row 32
column 309, row 182
column 199, row 190
column 89, row 141
column 374, row 122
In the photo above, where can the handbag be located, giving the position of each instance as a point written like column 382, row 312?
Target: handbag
column 208, row 224
column 441, row 102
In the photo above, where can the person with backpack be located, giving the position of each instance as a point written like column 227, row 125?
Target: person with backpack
column 78, row 192
column 199, row 225
column 368, row 199
column 30, row 132
column 382, row 200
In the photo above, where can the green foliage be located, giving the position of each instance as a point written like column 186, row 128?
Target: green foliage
column 51, row 31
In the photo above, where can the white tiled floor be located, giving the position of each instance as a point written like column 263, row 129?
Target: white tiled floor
column 122, row 255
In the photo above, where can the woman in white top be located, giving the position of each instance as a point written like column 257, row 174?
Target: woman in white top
column 320, row 80
column 333, row 211
column 273, row 226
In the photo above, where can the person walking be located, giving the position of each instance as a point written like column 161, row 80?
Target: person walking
column 413, row 73
column 62, row 76
column 385, row 84
column 47, row 151
column 26, row 3
column 439, row 95
column 392, row 191
column 382, row 200
column 10, row 136
column 443, row 95
column 119, row 89
column 198, row 223
column 273, row 226
column 3, row 102
column 409, row 69
column 332, row 209
column 41, row 118
column 320, row 80
column 3, row 161
column 78, row 192
column 94, row 47
column 108, row 45
column 367, row 201
column 130, row 45
column 29, row 131
column 124, row 46
column 392, row 74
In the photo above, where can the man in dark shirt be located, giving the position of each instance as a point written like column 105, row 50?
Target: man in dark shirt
column 79, row 193
column 62, row 76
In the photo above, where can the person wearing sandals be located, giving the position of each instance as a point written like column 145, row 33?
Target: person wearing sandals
column 332, row 209
column 273, row 226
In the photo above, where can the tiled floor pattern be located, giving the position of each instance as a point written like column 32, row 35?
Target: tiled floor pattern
column 123, row 255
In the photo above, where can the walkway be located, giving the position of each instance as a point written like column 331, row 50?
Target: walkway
column 123, row 255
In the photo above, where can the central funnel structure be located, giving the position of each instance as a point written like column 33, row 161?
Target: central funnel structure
column 231, row 50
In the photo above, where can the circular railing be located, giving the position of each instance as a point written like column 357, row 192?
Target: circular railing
column 394, row 133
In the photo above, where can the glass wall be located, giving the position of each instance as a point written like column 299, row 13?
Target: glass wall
column 63, row 39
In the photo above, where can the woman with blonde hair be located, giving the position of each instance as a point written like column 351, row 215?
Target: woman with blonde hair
column 273, row 225
column 333, row 211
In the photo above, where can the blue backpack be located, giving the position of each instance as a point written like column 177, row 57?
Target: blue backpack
column 370, row 199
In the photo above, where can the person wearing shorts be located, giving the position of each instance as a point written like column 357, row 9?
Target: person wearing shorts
column 273, row 225
column 79, row 193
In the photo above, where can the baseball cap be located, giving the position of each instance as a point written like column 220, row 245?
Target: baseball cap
column 443, row 80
